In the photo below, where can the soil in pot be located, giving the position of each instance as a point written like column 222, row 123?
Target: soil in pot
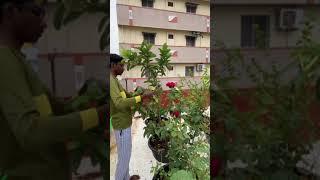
column 159, row 149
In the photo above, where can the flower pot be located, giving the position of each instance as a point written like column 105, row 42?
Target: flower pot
column 157, row 176
column 159, row 149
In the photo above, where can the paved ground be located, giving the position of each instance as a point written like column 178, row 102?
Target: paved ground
column 87, row 168
column 141, row 159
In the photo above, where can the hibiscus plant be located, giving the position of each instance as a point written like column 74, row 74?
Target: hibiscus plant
column 153, row 111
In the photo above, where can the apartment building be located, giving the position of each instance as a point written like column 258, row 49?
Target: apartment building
column 281, row 22
column 183, row 24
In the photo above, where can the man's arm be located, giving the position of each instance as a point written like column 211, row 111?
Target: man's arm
column 32, row 129
column 119, row 98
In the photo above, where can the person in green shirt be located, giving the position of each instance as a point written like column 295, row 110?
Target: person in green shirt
column 121, row 111
column 32, row 135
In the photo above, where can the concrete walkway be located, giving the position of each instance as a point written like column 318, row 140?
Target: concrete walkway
column 141, row 158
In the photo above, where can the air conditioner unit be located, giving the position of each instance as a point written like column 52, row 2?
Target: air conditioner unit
column 200, row 67
column 196, row 33
column 289, row 19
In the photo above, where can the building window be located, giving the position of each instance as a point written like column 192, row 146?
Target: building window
column 191, row 8
column 147, row 3
column 190, row 41
column 149, row 37
column 189, row 71
column 170, row 36
column 170, row 4
column 255, row 31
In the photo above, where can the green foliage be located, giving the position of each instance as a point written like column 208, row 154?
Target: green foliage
column 188, row 151
column 153, row 67
column 196, row 105
column 93, row 142
column 269, row 139
column 68, row 11
column 182, row 174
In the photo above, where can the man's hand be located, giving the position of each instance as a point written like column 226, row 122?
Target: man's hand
column 146, row 96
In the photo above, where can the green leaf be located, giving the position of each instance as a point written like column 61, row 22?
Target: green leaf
column 266, row 98
column 182, row 175
column 285, row 175
column 58, row 16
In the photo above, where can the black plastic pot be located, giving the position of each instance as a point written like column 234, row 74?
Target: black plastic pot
column 158, row 154
column 157, row 175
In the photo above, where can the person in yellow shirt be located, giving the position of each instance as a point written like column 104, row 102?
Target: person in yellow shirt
column 32, row 136
column 121, row 103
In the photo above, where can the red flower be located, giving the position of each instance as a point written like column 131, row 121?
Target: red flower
column 176, row 114
column 215, row 166
column 171, row 84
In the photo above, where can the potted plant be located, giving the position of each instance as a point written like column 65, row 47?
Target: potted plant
column 94, row 142
column 188, row 158
column 188, row 151
column 153, row 111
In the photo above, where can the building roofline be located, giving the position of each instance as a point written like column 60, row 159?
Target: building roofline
column 264, row 2
column 118, row 4
column 289, row 4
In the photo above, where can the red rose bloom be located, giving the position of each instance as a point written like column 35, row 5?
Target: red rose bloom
column 171, row 84
column 176, row 114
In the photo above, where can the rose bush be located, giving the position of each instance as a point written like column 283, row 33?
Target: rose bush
column 180, row 125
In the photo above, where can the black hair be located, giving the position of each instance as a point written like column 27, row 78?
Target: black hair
column 115, row 59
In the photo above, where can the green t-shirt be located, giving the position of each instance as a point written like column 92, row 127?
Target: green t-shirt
column 121, row 105
column 32, row 138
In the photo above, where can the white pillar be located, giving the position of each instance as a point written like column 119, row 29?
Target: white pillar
column 114, row 29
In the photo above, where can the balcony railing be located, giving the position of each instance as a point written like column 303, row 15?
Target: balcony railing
column 181, row 54
column 163, row 19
